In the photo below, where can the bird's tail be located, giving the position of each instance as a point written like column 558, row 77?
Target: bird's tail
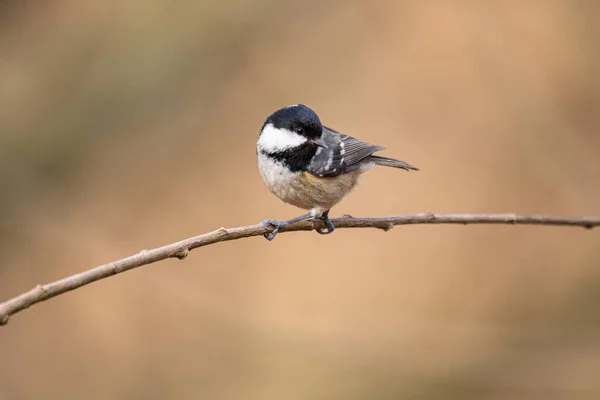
column 390, row 162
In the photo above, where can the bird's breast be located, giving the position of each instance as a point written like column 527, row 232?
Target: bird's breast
column 303, row 189
column 282, row 182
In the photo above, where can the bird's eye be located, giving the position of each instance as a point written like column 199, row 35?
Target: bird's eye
column 300, row 131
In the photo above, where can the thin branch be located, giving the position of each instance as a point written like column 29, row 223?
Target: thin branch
column 181, row 249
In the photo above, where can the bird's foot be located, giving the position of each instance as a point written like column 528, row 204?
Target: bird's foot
column 325, row 218
column 267, row 223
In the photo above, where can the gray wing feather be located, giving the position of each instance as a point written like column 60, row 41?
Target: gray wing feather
column 355, row 150
column 343, row 154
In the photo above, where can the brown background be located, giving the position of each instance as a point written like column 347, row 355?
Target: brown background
column 128, row 125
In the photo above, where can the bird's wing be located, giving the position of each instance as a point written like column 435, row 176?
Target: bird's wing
column 342, row 155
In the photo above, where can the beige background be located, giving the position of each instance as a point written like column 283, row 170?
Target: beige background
column 128, row 125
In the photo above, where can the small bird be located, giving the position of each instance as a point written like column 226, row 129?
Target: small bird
column 310, row 165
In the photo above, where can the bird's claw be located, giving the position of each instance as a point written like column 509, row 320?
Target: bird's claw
column 267, row 223
column 330, row 226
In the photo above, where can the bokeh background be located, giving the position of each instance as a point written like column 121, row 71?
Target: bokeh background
column 125, row 125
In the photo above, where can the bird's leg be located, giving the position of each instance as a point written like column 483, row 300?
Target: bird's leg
column 281, row 224
column 325, row 218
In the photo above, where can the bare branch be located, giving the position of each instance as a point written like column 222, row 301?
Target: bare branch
column 182, row 248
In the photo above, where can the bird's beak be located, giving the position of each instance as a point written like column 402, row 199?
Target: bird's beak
column 319, row 142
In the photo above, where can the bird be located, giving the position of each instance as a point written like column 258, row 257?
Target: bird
column 311, row 166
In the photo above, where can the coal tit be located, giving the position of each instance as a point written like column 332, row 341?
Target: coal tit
column 311, row 166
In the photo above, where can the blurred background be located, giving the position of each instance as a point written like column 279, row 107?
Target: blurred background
column 129, row 125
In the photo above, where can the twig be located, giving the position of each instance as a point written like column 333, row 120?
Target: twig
column 182, row 248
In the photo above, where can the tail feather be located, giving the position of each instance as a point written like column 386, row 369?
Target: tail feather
column 390, row 162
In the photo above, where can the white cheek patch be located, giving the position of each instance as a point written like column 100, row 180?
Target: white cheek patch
column 274, row 140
